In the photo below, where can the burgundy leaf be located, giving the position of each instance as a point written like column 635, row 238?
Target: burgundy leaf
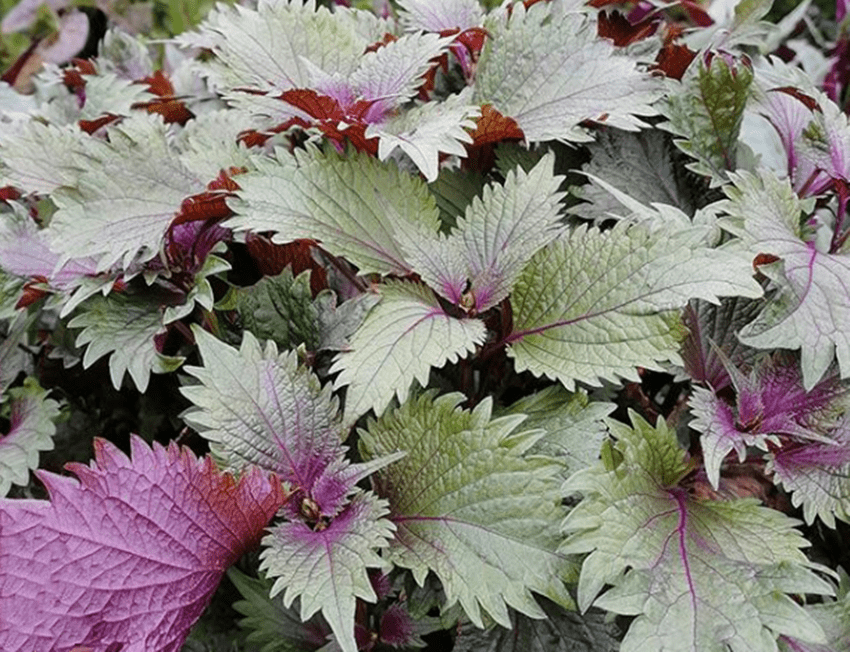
column 127, row 557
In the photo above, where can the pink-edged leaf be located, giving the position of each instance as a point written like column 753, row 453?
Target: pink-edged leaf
column 128, row 556
column 810, row 305
column 700, row 575
column 25, row 251
column 324, row 563
column 476, row 266
column 258, row 407
column 31, row 431
column 771, row 403
column 817, row 474
column 789, row 111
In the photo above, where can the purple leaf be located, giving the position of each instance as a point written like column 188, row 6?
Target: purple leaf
column 771, row 404
column 127, row 557
column 25, row 252
column 817, row 474
column 712, row 328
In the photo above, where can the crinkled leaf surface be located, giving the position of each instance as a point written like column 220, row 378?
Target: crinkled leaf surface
column 280, row 308
column 439, row 15
column 426, row 131
column 39, row 157
column 560, row 631
column 770, row 402
column 700, row 575
column 274, row 627
column 550, row 72
column 31, row 431
column 597, row 304
column 390, row 75
column 639, row 164
column 123, row 202
column 811, row 305
column 401, row 338
column 574, row 425
column 325, row 566
column 469, row 506
column 273, row 46
column 817, row 473
column 124, row 326
column 258, row 406
column 499, row 233
column 333, row 199
column 706, row 109
column 127, row 556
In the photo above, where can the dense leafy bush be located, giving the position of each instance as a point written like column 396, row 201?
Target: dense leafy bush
column 494, row 328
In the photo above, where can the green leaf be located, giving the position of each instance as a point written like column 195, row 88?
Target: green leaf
column 549, row 70
column 833, row 616
column 124, row 326
column 470, row 507
column 13, row 358
column 706, row 109
column 402, row 337
column 560, row 631
column 453, row 191
column 31, row 431
column 131, row 189
column 574, row 425
column 428, row 130
column 810, row 307
column 638, row 164
column 259, row 407
column 594, row 305
column 497, row 236
column 326, row 568
column 698, row 574
column 280, row 308
column 273, row 46
column 273, row 626
column 334, row 199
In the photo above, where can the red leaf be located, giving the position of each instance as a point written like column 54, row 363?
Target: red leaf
column 617, row 27
column 9, row 193
column 493, row 127
column 212, row 204
column 127, row 557
column 172, row 110
column 673, row 60
column 32, row 292
column 328, row 114
column 272, row 259
column 90, row 126
column 159, row 84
